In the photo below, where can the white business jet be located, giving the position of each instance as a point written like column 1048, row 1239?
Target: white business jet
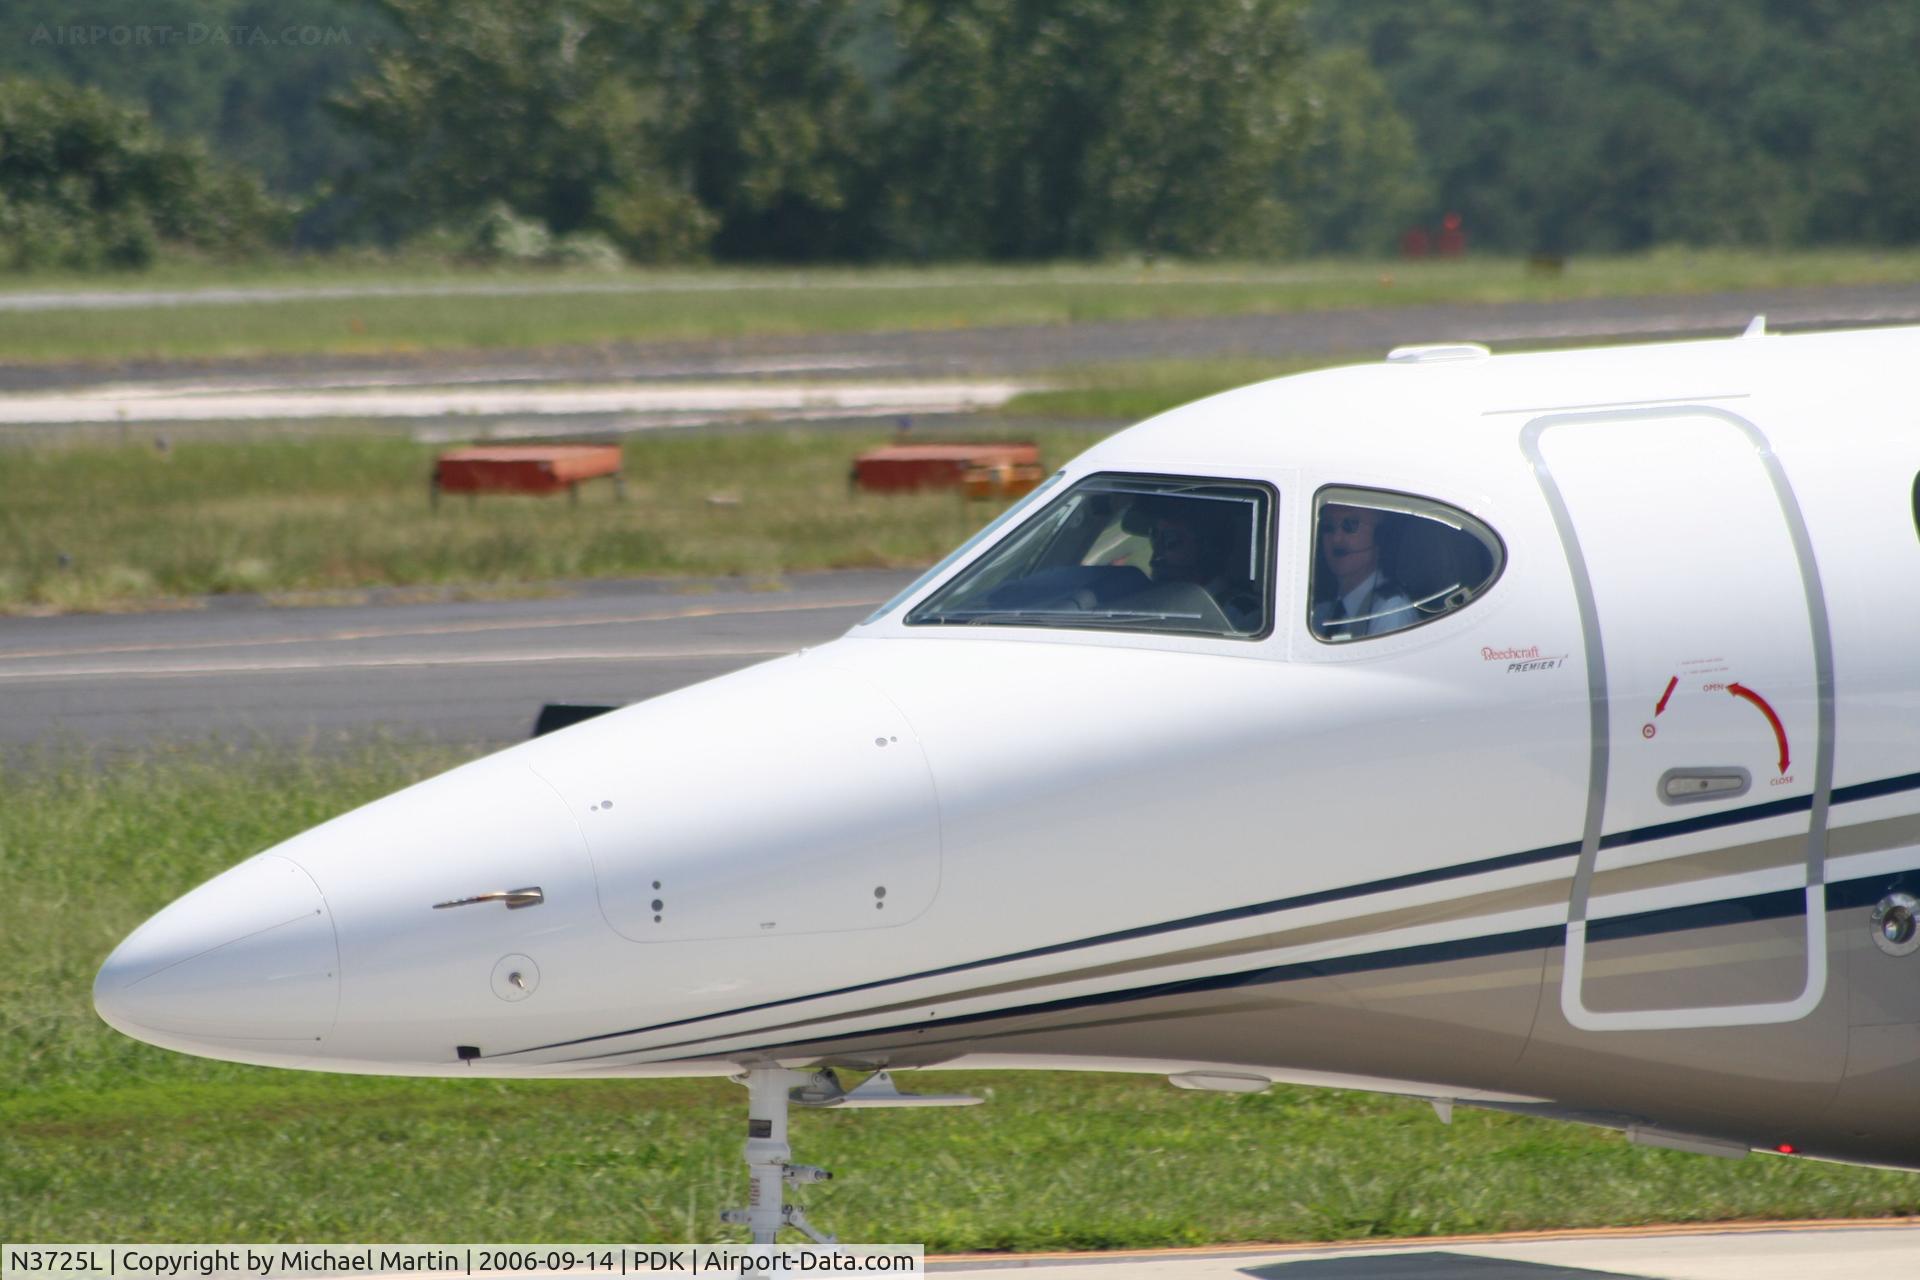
column 1535, row 732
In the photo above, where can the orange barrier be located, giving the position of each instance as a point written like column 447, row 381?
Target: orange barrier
column 980, row 470
column 526, row 468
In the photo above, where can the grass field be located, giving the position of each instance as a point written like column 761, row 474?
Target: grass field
column 119, row 526
column 547, row 309
column 105, row 1139
column 111, row 525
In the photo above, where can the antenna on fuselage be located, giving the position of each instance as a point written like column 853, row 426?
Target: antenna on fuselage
column 1437, row 353
column 1756, row 327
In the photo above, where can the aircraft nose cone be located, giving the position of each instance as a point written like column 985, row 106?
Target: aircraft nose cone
column 248, row 956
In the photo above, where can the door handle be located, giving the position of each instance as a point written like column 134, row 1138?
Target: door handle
column 514, row 898
column 1684, row 786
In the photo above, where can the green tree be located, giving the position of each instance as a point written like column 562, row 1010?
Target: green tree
column 1040, row 128
column 1622, row 124
column 1866, row 129
column 248, row 77
column 668, row 124
column 521, row 102
column 86, row 182
column 1357, row 181
column 763, row 118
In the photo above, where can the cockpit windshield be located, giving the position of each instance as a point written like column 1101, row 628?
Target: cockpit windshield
column 1126, row 552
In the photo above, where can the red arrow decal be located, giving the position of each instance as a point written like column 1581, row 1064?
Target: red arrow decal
column 1739, row 690
column 1662, row 705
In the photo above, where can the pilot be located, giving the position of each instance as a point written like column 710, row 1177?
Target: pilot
column 1193, row 544
column 1363, row 601
column 1181, row 548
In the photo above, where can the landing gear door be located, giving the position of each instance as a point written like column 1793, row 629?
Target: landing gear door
column 1710, row 670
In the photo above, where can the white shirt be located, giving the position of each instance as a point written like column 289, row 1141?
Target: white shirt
column 1375, row 607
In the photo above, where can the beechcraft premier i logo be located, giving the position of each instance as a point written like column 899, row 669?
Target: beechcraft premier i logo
column 1520, row 661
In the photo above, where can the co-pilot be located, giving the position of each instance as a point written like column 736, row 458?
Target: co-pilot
column 1362, row 600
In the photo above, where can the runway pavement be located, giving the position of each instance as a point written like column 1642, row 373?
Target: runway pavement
column 815, row 378
column 1001, row 351
column 638, row 404
column 466, row 672
column 856, row 281
column 1776, row 1251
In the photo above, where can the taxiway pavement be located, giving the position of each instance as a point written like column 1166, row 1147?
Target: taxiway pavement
column 1768, row 1251
column 636, row 404
column 1002, row 351
column 470, row 672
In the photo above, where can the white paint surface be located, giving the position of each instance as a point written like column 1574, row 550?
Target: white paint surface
column 123, row 403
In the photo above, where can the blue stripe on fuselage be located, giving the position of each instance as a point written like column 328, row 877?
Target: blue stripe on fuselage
column 1764, row 906
column 1702, row 822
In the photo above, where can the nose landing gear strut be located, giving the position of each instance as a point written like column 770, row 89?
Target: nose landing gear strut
column 770, row 1164
column 770, row 1159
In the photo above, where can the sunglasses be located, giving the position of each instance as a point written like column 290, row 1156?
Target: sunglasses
column 1345, row 524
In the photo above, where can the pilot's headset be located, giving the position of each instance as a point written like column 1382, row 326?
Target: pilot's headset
column 1200, row 518
column 1388, row 530
column 1139, row 518
column 1139, row 515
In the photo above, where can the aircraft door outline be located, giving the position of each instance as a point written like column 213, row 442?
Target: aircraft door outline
column 1573, row 1000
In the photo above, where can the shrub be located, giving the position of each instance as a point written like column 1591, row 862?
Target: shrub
column 86, row 182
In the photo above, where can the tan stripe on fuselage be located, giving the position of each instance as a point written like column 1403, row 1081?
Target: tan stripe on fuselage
column 1691, row 868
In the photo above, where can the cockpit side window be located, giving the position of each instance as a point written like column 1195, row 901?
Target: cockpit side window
column 1384, row 562
column 1175, row 554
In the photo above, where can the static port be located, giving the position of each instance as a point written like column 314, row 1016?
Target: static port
column 1896, row 924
